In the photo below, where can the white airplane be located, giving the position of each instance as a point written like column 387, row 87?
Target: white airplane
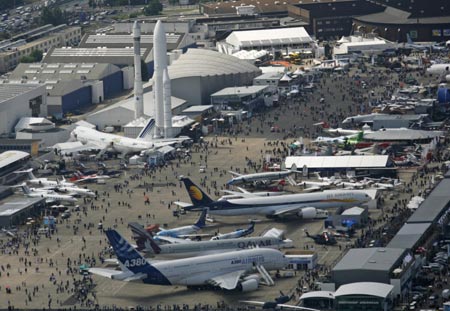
column 411, row 45
column 76, row 191
column 439, row 69
column 121, row 144
column 239, row 233
column 43, row 181
column 187, row 248
column 364, row 118
column 179, row 232
column 303, row 205
column 257, row 177
column 230, row 270
column 49, row 196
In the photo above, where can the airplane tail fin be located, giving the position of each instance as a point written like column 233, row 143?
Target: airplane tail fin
column 146, row 132
column 360, row 136
column 132, row 260
column 408, row 38
column 198, row 197
column 25, row 189
column 142, row 237
column 29, row 173
column 201, row 220
column 251, row 228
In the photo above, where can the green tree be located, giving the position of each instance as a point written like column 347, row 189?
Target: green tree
column 52, row 16
column 154, row 7
column 26, row 59
column 37, row 55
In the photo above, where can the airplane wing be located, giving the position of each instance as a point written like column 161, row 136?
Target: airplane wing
column 182, row 204
column 252, row 302
column 234, row 173
column 173, row 240
column 287, row 210
column 91, row 146
column 193, row 235
column 227, row 281
column 107, row 273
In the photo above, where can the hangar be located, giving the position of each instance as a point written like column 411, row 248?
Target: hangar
column 16, row 210
column 364, row 296
column 198, row 73
column 19, row 100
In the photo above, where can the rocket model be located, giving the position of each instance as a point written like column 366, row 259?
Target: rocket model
column 161, row 85
column 138, row 91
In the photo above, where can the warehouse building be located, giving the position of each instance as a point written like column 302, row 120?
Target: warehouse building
column 43, row 40
column 11, row 161
column 249, row 98
column 280, row 39
column 198, row 73
column 331, row 19
column 364, row 296
column 15, row 210
column 411, row 236
column 383, row 265
column 73, row 87
column 30, row 146
column 19, row 100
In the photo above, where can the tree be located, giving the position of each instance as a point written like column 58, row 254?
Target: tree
column 153, row 8
column 37, row 55
column 26, row 59
column 52, row 16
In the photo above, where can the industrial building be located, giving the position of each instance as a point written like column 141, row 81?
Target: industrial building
column 19, row 100
column 424, row 21
column 15, row 210
column 30, row 146
column 258, row 7
column 43, row 39
column 11, row 161
column 73, row 87
column 355, row 216
column 364, row 296
column 383, row 265
column 270, row 79
column 198, row 73
column 122, row 113
column 398, row 120
column 280, row 39
column 249, row 98
column 331, row 19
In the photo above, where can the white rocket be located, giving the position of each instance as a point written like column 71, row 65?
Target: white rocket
column 161, row 86
column 138, row 91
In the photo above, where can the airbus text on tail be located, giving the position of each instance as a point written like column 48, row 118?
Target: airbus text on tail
column 133, row 261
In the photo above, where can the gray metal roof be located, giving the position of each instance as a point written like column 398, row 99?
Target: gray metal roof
column 365, row 288
column 240, row 90
column 198, row 108
column 116, row 56
column 11, row 206
column 203, row 63
column 373, row 259
column 409, row 235
column 434, row 205
column 67, row 72
column 402, row 134
column 396, row 16
column 9, row 90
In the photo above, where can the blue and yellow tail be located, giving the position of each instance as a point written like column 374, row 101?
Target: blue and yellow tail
column 198, row 197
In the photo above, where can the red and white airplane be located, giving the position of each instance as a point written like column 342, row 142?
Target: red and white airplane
column 79, row 177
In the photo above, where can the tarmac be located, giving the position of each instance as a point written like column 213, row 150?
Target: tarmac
column 52, row 279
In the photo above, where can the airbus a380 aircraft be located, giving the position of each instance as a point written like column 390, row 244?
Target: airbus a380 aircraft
column 121, row 144
column 231, row 270
column 303, row 205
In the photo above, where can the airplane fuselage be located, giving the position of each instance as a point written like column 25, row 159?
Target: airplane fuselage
column 198, row 270
column 271, row 205
column 176, row 232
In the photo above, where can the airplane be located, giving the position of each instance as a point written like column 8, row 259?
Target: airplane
column 365, row 118
column 325, row 238
column 179, row 232
column 439, row 69
column 231, row 270
column 79, row 177
column 49, row 196
column 257, row 177
column 278, row 303
column 411, row 45
column 351, row 139
column 75, row 191
column 121, row 144
column 188, row 248
column 239, row 233
column 303, row 205
column 242, row 193
column 43, row 181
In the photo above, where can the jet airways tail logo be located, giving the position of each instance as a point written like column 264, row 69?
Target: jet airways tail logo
column 195, row 193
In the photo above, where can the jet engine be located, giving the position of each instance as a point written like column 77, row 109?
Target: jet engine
column 249, row 285
column 308, row 213
column 447, row 78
